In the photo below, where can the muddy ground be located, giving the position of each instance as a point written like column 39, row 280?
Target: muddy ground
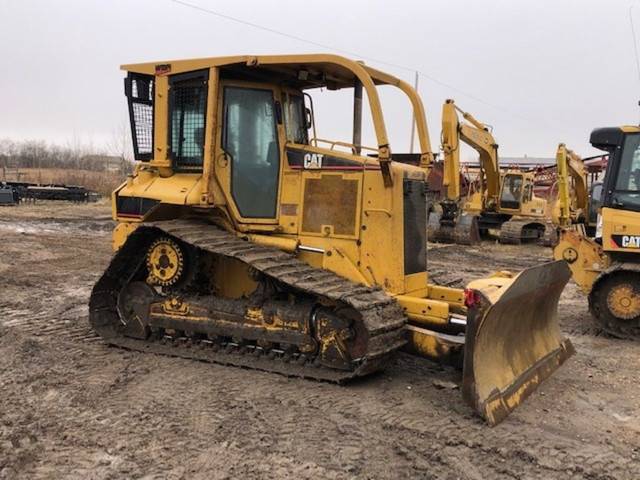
column 71, row 407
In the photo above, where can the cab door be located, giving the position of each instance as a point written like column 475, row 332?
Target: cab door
column 248, row 154
column 511, row 193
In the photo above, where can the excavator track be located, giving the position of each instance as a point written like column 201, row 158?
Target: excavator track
column 550, row 237
column 516, row 232
column 382, row 321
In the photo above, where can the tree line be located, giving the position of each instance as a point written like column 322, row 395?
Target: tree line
column 40, row 154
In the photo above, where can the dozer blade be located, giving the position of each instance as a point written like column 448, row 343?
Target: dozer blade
column 513, row 340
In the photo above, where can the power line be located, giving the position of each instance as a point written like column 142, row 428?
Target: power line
column 382, row 62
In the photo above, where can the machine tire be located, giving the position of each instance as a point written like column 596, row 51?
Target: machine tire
column 615, row 303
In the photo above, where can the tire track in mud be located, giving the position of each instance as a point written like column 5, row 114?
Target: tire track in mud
column 488, row 256
column 45, row 336
column 532, row 455
column 66, row 322
column 451, row 442
column 75, row 408
column 243, row 413
column 438, row 442
column 452, row 446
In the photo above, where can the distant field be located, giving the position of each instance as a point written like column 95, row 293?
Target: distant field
column 101, row 182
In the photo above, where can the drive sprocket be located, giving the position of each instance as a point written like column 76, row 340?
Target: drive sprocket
column 165, row 262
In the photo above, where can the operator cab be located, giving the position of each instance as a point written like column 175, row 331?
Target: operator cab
column 622, row 180
column 516, row 190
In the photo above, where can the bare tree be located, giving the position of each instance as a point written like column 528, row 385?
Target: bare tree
column 120, row 145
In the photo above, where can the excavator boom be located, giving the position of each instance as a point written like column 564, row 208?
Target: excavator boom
column 503, row 201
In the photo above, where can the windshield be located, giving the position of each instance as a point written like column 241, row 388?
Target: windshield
column 511, row 191
column 250, row 137
column 627, row 185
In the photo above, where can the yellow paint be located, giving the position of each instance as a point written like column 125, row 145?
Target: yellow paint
column 572, row 205
column 587, row 259
column 120, row 234
column 286, row 244
column 365, row 242
column 178, row 189
column 230, row 277
column 429, row 344
column 425, row 312
column 620, row 222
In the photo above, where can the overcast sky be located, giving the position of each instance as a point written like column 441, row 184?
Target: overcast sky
column 538, row 71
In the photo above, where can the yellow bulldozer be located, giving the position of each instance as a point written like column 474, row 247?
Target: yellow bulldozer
column 607, row 267
column 503, row 201
column 244, row 239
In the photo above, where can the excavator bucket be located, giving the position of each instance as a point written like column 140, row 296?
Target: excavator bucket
column 461, row 229
column 513, row 340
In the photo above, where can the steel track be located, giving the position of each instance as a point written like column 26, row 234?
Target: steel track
column 381, row 316
column 511, row 232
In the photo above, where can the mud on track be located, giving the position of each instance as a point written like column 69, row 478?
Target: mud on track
column 73, row 408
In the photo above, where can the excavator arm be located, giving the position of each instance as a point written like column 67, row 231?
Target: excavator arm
column 573, row 199
column 477, row 136
column 564, row 199
column 454, row 225
column 579, row 175
column 451, row 149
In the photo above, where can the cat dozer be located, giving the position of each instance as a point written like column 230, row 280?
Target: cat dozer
column 245, row 239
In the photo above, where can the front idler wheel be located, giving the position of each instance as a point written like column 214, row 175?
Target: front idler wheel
column 133, row 309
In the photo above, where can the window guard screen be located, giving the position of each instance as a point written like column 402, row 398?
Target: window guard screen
column 140, row 90
column 187, row 113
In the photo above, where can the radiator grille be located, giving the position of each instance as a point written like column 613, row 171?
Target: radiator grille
column 330, row 201
column 415, row 226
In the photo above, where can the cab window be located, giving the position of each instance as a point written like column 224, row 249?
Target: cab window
column 187, row 113
column 511, row 191
column 249, row 137
column 627, row 185
column 295, row 119
column 528, row 192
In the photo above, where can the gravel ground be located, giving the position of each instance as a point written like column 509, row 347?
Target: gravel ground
column 74, row 408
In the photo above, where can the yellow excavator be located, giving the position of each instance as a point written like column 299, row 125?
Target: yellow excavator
column 573, row 204
column 607, row 267
column 244, row 239
column 502, row 201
